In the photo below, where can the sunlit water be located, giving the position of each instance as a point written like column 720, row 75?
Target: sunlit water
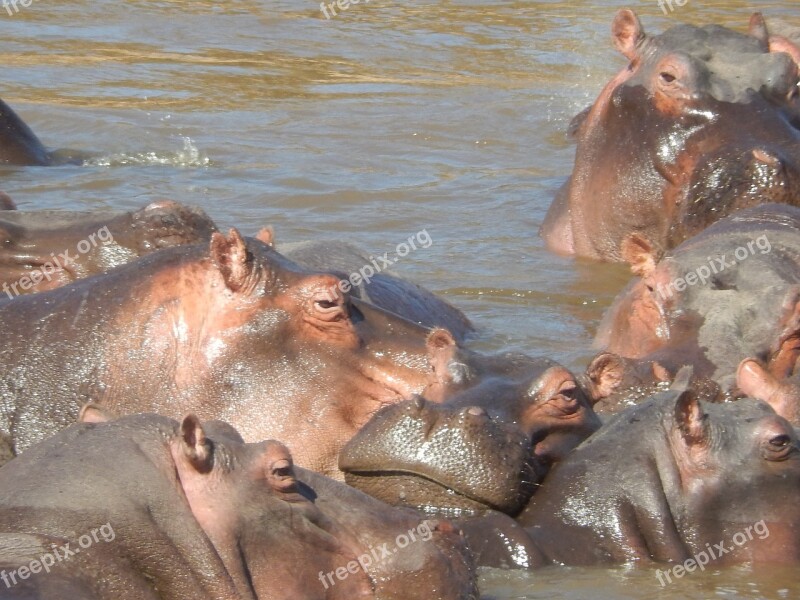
column 390, row 118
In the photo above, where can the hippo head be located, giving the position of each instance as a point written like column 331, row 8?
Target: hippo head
column 736, row 472
column 47, row 249
column 282, row 532
column 487, row 446
column 272, row 347
column 703, row 120
column 726, row 294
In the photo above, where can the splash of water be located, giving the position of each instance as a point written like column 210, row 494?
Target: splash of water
column 188, row 156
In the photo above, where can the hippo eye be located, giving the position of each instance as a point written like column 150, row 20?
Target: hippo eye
column 569, row 391
column 282, row 476
column 779, row 442
column 667, row 77
column 326, row 305
column 778, row 447
column 282, row 471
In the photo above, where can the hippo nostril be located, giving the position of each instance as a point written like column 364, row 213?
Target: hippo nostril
column 766, row 157
column 475, row 411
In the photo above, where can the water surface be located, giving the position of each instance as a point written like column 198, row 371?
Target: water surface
column 390, row 118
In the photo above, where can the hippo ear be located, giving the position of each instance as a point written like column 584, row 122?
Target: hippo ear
column 267, row 235
column 689, row 415
column 758, row 30
column 194, row 443
column 605, row 374
column 785, row 352
column 640, row 253
column 94, row 413
column 628, row 33
column 231, row 257
column 754, row 381
column 441, row 351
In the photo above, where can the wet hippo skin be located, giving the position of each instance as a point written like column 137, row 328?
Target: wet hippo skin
column 702, row 122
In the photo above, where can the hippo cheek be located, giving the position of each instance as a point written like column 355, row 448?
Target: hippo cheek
column 305, row 559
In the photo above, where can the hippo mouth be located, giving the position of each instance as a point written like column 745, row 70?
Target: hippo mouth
column 413, row 454
column 52, row 271
column 424, row 493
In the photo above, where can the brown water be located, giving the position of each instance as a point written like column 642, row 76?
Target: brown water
column 390, row 118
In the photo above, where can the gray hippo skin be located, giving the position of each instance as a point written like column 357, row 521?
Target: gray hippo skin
column 479, row 455
column 145, row 507
column 41, row 250
column 390, row 292
column 730, row 293
column 18, row 144
column 666, row 480
column 229, row 329
column 702, row 122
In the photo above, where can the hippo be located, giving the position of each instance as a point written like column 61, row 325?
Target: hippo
column 371, row 284
column 45, row 249
column 238, row 332
column 6, row 202
column 729, row 293
column 486, row 447
column 703, row 121
column 146, row 507
column 667, row 479
column 19, row 146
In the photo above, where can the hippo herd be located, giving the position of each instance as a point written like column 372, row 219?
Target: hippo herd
column 194, row 413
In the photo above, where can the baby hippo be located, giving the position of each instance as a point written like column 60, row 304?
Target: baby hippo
column 144, row 507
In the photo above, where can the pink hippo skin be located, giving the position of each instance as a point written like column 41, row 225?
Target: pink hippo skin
column 229, row 330
column 702, row 122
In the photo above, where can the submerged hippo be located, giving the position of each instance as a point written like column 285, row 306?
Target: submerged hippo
column 41, row 250
column 703, row 121
column 19, row 146
column 730, row 293
column 145, row 507
column 486, row 447
column 231, row 330
column 675, row 480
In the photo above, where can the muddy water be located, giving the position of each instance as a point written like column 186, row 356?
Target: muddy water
column 385, row 120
